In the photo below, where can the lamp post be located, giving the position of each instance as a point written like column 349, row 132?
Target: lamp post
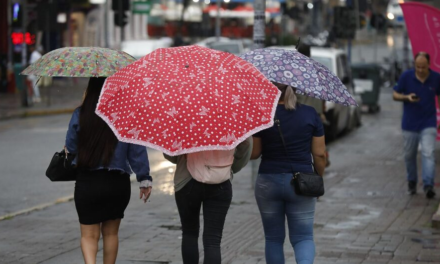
column 23, row 29
column 10, row 49
column 217, row 20
column 259, row 39
column 25, row 96
column 259, row 23
column 121, row 11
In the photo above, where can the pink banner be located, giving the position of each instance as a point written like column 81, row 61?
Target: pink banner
column 423, row 25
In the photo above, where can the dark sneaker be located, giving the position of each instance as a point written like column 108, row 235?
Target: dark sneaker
column 412, row 188
column 430, row 193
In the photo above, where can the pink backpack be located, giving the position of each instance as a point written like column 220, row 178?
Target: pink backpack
column 212, row 166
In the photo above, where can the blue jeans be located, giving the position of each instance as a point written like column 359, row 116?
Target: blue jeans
column 411, row 142
column 277, row 201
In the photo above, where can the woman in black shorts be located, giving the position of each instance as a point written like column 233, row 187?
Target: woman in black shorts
column 102, row 189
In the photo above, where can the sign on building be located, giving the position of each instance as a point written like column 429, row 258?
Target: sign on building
column 141, row 7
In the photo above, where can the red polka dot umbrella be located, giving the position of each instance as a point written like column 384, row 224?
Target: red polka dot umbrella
column 187, row 99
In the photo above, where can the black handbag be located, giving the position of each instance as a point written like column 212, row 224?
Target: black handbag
column 306, row 184
column 61, row 168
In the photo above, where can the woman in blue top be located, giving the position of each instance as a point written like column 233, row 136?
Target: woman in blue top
column 102, row 189
column 304, row 137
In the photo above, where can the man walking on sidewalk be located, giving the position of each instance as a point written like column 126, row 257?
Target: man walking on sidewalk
column 417, row 89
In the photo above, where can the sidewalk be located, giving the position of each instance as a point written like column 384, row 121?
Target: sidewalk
column 63, row 96
column 365, row 217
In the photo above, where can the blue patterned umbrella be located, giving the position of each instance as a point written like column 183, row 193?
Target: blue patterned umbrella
column 292, row 68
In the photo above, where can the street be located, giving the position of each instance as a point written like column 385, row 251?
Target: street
column 364, row 217
column 27, row 146
column 367, row 214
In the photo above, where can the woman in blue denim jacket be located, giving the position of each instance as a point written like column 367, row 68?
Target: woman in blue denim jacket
column 277, row 201
column 102, row 189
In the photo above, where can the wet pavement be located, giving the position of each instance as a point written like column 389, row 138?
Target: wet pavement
column 364, row 217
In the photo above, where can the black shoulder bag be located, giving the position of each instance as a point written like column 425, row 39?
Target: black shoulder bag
column 61, row 168
column 307, row 184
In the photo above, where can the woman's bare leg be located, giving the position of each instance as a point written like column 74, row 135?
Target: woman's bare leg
column 89, row 242
column 110, row 237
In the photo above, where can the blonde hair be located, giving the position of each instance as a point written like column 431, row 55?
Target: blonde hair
column 289, row 98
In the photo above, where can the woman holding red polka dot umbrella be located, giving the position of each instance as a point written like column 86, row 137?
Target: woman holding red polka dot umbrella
column 188, row 99
column 199, row 106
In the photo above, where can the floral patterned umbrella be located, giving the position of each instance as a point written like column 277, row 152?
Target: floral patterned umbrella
column 292, row 68
column 80, row 62
column 187, row 99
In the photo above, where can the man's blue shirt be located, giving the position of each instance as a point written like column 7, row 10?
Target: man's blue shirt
column 127, row 157
column 420, row 115
column 298, row 126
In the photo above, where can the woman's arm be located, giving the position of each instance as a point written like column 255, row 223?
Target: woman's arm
column 71, row 143
column 318, row 153
column 257, row 148
column 138, row 159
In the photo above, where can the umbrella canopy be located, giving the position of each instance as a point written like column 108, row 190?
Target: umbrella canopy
column 292, row 68
column 80, row 62
column 187, row 99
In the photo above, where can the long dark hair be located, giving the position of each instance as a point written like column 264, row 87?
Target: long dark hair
column 96, row 141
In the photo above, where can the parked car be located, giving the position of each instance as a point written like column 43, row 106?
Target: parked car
column 140, row 48
column 395, row 13
column 233, row 46
column 208, row 41
column 341, row 118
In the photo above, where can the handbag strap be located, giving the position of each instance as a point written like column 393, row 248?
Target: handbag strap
column 277, row 122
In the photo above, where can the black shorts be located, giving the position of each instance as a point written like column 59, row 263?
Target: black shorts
column 101, row 195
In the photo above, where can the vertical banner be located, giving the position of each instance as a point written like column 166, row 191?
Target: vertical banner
column 423, row 25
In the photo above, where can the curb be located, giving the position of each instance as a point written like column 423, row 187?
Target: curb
column 436, row 219
column 48, row 112
column 31, row 113
column 35, row 208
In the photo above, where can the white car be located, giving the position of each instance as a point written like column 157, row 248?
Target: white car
column 140, row 48
column 340, row 117
column 233, row 46
column 208, row 41
column 395, row 13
